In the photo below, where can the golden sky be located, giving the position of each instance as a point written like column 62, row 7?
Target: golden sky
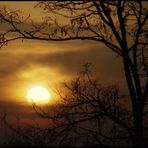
column 29, row 63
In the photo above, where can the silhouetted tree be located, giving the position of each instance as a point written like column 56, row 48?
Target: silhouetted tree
column 88, row 114
column 120, row 25
column 91, row 112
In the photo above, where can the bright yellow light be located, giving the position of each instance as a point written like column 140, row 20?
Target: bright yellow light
column 38, row 95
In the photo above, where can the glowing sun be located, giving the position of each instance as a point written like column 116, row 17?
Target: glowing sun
column 38, row 95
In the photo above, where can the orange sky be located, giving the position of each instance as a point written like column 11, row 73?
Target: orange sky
column 28, row 63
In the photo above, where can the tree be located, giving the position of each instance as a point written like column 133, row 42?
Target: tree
column 88, row 114
column 120, row 25
column 86, row 111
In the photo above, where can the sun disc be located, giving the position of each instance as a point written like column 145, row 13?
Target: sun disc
column 38, row 95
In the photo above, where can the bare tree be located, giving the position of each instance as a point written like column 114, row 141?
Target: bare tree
column 88, row 114
column 120, row 25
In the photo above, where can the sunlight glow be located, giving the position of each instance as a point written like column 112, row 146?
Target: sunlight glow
column 38, row 95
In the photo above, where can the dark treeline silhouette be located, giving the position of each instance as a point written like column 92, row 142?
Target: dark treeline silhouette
column 119, row 25
column 89, row 114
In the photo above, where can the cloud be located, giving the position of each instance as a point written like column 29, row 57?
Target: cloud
column 55, row 62
column 69, row 61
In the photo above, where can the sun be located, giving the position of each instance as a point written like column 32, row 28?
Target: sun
column 38, row 95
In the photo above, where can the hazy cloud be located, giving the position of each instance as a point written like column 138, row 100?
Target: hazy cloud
column 69, row 61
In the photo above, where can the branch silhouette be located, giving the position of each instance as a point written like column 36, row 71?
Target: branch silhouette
column 119, row 25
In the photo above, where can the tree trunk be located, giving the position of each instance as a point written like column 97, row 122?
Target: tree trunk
column 138, row 128
column 137, row 108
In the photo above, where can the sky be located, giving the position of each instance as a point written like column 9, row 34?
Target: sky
column 30, row 63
